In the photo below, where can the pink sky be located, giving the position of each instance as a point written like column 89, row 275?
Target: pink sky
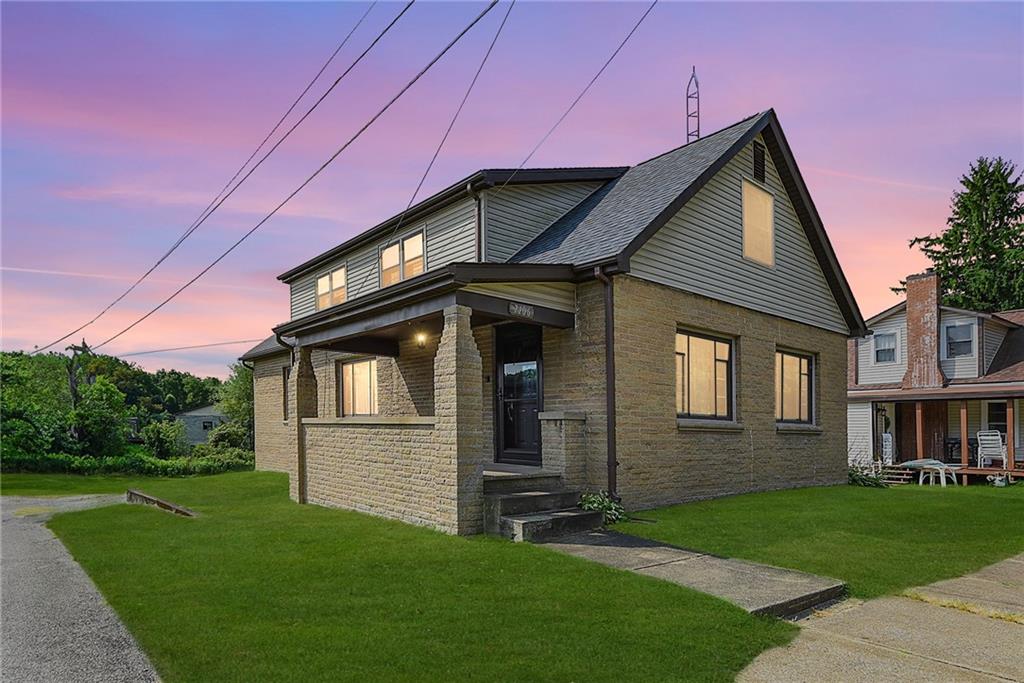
column 122, row 120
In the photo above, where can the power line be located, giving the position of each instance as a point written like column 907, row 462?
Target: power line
column 186, row 348
column 444, row 138
column 221, row 197
column 315, row 173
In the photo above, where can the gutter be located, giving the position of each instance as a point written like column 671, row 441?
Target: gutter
column 290, row 347
column 609, row 374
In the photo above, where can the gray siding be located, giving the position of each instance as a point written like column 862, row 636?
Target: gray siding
column 516, row 214
column 450, row 237
column 962, row 367
column 700, row 250
column 886, row 373
column 994, row 333
column 858, row 432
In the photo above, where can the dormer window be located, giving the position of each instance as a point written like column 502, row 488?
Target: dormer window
column 959, row 340
column 401, row 260
column 758, row 224
column 331, row 288
column 885, row 348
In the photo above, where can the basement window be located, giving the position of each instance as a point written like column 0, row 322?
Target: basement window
column 357, row 386
column 402, row 260
column 331, row 288
column 758, row 224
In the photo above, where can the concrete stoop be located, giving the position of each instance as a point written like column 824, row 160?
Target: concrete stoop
column 537, row 515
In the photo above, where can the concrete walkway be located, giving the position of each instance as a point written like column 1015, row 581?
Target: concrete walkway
column 965, row 629
column 757, row 588
column 56, row 626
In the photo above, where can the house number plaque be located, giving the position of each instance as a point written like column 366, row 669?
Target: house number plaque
column 520, row 310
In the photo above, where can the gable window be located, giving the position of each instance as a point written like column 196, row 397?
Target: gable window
column 402, row 260
column 759, row 162
column 331, row 288
column 885, row 347
column 357, row 387
column 959, row 340
column 758, row 224
column 703, row 377
column 207, row 425
column 286, row 372
column 794, row 387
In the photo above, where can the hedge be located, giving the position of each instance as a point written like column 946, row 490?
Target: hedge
column 204, row 460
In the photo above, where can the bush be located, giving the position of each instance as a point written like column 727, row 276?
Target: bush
column 612, row 509
column 100, row 419
column 229, row 435
column 135, row 461
column 857, row 477
column 165, row 440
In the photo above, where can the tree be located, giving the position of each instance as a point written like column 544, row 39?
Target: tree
column 35, row 403
column 100, row 419
column 235, row 396
column 980, row 254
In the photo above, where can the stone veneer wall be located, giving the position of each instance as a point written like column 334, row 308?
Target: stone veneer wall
column 275, row 445
column 662, row 464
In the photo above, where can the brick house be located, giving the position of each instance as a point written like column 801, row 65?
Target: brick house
column 931, row 376
column 670, row 331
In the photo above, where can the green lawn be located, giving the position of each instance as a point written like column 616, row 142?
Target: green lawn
column 877, row 540
column 69, row 484
column 258, row 588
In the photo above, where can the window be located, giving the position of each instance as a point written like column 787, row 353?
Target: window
column 357, row 387
column 331, row 289
column 959, row 340
column 401, row 260
column 758, row 224
column 285, row 374
column 794, row 387
column 759, row 162
column 995, row 417
column 207, row 425
column 703, row 377
column 885, row 347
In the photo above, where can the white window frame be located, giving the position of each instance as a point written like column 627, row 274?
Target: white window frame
column 373, row 387
column 743, row 222
column 943, row 353
column 400, row 241
column 896, row 354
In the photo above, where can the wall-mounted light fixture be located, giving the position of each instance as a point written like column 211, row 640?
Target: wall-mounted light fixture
column 421, row 339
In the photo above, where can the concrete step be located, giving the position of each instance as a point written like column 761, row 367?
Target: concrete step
column 498, row 505
column 540, row 526
column 515, row 483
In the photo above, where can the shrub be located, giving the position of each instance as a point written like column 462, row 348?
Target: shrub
column 612, row 509
column 857, row 477
column 165, row 440
column 229, row 435
column 134, row 461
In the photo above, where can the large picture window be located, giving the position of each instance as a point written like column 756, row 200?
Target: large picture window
column 703, row 377
column 758, row 224
column 357, row 387
column 794, row 387
column 331, row 288
column 402, row 260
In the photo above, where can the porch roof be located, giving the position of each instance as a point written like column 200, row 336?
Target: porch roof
column 948, row 393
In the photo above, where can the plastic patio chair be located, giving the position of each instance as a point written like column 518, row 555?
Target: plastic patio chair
column 991, row 448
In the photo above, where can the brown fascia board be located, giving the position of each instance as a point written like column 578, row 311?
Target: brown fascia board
column 467, row 187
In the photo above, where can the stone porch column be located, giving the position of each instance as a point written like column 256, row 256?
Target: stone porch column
column 302, row 397
column 458, row 434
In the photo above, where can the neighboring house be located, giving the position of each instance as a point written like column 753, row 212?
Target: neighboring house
column 199, row 422
column 670, row 331
column 931, row 376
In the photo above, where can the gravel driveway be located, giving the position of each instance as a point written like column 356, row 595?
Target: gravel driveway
column 56, row 626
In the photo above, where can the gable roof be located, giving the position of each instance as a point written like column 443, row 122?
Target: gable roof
column 610, row 225
column 1011, row 319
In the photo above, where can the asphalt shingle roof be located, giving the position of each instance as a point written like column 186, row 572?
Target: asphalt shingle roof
column 605, row 223
column 266, row 347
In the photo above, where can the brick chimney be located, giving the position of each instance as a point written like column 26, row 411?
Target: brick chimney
column 923, row 295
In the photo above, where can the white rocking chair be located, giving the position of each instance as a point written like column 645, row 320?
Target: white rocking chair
column 991, row 448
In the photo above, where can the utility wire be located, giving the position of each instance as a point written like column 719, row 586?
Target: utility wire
column 316, row 173
column 185, row 348
column 444, row 138
column 221, row 196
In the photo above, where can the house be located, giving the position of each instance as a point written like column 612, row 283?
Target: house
column 670, row 331
column 199, row 422
column 931, row 376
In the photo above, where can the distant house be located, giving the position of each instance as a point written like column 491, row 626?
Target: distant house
column 671, row 331
column 930, row 377
column 200, row 421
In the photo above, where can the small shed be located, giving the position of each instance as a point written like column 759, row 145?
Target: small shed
column 199, row 421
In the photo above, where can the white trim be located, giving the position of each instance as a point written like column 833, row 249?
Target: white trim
column 974, row 341
column 895, row 332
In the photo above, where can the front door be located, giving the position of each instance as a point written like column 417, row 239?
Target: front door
column 519, row 394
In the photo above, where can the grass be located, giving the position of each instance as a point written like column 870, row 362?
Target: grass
column 879, row 541
column 259, row 588
column 50, row 485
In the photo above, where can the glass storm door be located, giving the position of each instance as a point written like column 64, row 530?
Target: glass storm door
column 519, row 392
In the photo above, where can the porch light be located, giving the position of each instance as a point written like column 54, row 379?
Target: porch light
column 421, row 339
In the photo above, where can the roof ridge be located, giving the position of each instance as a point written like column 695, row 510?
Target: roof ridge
column 706, row 137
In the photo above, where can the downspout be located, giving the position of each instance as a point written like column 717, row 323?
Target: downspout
column 290, row 347
column 609, row 374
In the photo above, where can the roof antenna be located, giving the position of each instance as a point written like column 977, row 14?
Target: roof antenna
column 693, row 108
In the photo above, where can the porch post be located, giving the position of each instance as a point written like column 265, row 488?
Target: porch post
column 1010, row 436
column 964, row 446
column 458, row 407
column 304, row 405
column 919, row 428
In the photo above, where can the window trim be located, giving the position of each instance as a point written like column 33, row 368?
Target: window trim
column 896, row 349
column 730, row 385
column 811, row 377
column 743, row 223
column 286, row 373
column 400, row 241
column 329, row 273
column 339, row 380
column 944, row 354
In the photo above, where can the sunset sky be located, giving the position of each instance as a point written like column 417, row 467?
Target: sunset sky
column 120, row 122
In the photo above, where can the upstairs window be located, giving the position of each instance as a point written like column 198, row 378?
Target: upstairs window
column 959, row 340
column 758, row 224
column 793, row 387
column 703, row 377
column 885, row 348
column 402, row 260
column 357, row 384
column 331, row 288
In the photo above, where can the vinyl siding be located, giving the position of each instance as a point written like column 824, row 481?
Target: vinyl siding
column 516, row 214
column 858, row 432
column 870, row 373
column 700, row 250
column 450, row 238
column 994, row 333
column 974, row 420
column 560, row 296
column 962, row 367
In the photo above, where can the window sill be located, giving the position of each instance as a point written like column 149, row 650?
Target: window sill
column 691, row 425
column 788, row 428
